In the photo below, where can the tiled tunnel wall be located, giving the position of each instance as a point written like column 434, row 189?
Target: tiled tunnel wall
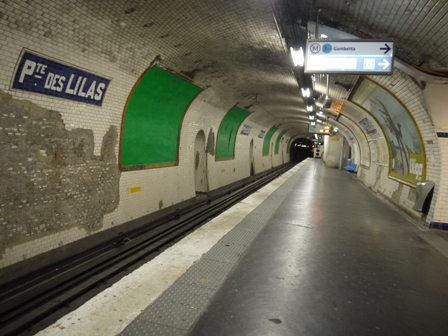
column 51, row 179
column 358, row 133
column 376, row 176
column 351, row 139
column 60, row 156
column 71, row 149
column 59, row 190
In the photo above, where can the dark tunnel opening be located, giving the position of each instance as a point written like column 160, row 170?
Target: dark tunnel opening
column 301, row 149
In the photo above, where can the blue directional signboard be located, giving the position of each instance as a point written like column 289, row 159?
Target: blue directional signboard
column 354, row 57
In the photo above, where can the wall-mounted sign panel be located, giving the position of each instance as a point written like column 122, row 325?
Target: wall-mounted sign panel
column 318, row 128
column 227, row 132
column 267, row 140
column 354, row 57
column 406, row 148
column 314, row 128
column 152, row 120
column 42, row 75
column 245, row 130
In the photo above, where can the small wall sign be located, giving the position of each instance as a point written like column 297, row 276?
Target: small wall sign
column 133, row 190
column 246, row 129
column 42, row 75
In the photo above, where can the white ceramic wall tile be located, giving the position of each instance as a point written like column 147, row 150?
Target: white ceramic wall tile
column 101, row 38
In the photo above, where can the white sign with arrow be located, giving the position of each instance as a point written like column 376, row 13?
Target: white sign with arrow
column 349, row 56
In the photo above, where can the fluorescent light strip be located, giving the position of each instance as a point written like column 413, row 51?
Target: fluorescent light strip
column 306, row 93
column 298, row 58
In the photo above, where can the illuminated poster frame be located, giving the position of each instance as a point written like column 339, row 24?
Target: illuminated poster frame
column 406, row 150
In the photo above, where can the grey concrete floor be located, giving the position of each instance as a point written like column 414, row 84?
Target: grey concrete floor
column 441, row 233
column 333, row 260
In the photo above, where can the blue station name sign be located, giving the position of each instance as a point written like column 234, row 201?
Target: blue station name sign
column 38, row 74
column 354, row 57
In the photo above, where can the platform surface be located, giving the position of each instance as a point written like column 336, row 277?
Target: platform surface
column 312, row 253
column 334, row 260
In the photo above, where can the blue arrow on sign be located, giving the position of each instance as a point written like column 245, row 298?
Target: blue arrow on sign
column 386, row 50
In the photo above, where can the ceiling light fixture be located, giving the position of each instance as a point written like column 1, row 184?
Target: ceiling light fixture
column 306, row 93
column 311, row 116
column 298, row 58
column 313, row 123
column 310, row 108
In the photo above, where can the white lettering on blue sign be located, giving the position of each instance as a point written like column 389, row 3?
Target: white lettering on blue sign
column 42, row 75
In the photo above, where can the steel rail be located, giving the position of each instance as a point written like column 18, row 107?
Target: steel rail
column 31, row 302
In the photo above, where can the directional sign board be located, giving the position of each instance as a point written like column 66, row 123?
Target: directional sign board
column 354, row 57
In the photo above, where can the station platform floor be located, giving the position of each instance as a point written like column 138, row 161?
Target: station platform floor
column 312, row 253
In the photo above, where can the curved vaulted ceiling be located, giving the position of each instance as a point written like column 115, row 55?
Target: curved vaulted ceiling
column 418, row 28
column 241, row 48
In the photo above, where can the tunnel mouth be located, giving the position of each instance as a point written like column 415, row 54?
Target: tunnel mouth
column 300, row 149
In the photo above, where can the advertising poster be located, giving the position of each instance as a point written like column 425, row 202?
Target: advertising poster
column 407, row 156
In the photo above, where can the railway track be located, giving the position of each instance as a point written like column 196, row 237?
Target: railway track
column 36, row 300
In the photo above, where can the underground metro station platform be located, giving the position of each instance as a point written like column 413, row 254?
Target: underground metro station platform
column 134, row 138
column 312, row 253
